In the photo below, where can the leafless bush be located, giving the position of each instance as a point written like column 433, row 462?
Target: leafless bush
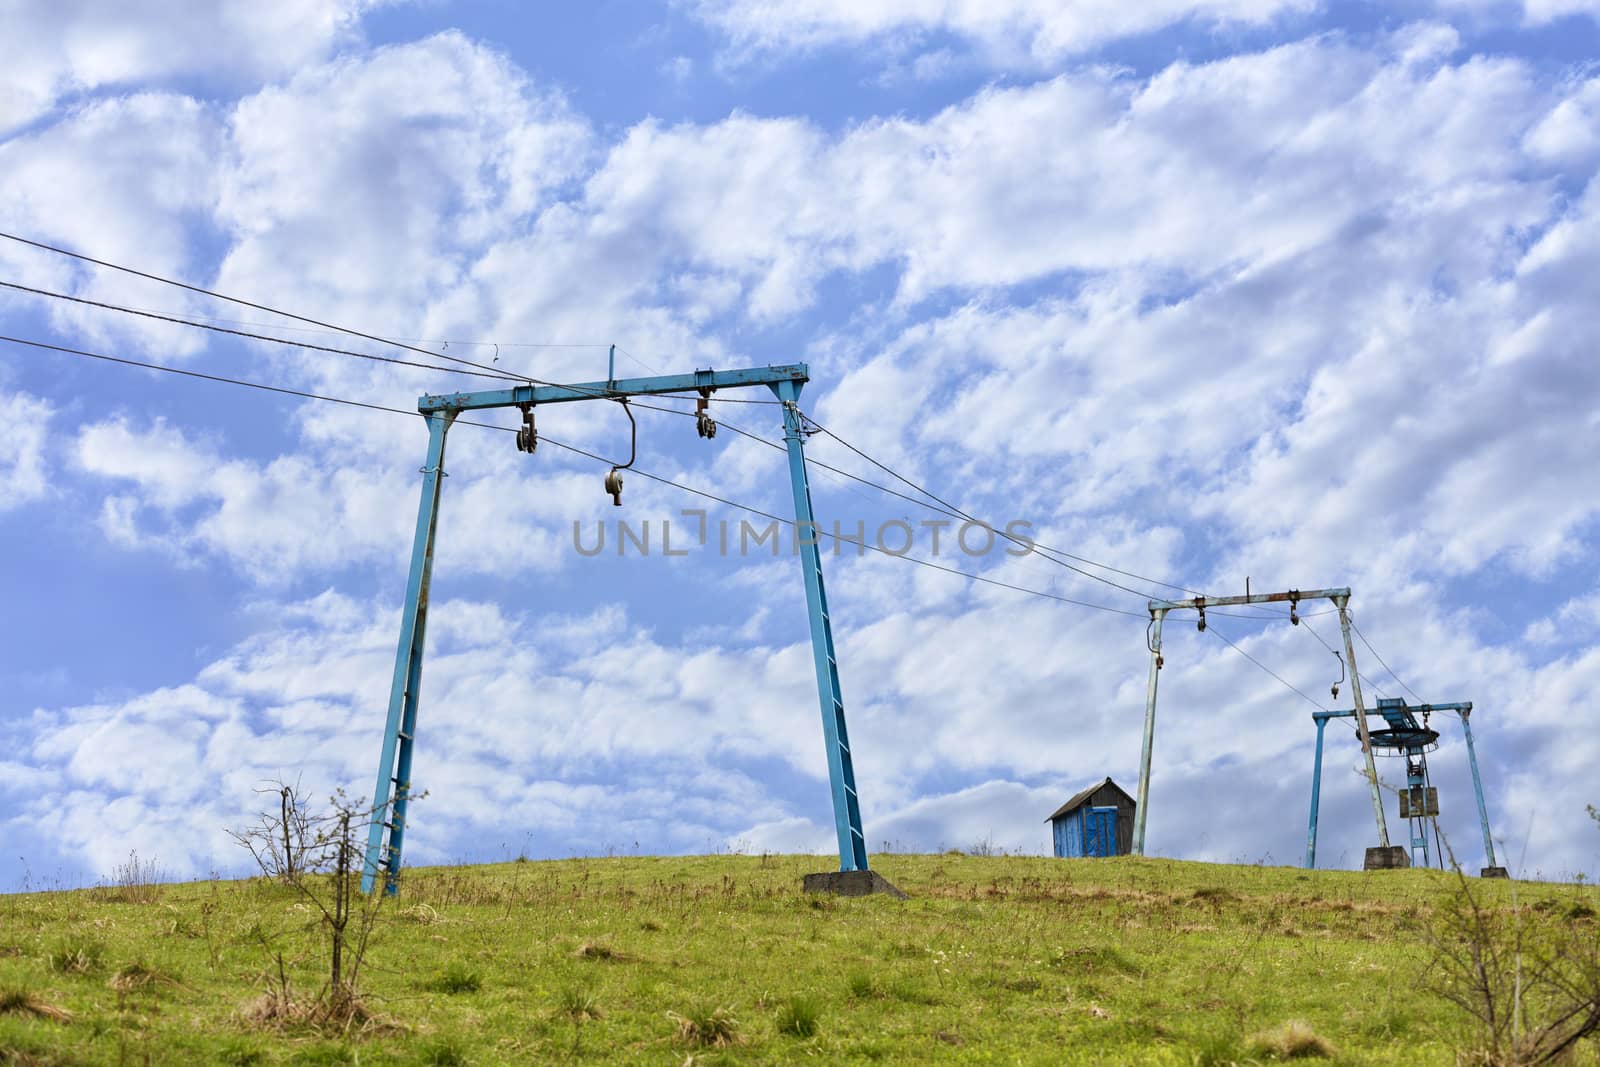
column 322, row 858
column 1531, row 987
column 279, row 839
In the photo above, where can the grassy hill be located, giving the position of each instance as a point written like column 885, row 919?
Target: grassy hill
column 724, row 960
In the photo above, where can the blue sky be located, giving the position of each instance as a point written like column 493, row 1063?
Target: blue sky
column 1202, row 289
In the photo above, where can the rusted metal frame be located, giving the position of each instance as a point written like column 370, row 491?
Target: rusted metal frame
column 524, row 395
column 1157, row 616
column 1159, row 610
column 1343, row 603
column 1255, row 598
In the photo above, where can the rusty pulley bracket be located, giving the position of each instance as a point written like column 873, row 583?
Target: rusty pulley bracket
column 614, row 478
column 528, row 435
column 704, row 424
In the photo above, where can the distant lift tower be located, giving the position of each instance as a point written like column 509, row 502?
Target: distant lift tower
column 1293, row 598
column 386, row 835
column 1408, row 735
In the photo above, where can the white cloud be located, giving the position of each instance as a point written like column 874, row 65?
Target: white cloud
column 520, row 734
column 1542, row 11
column 306, row 512
column 24, row 474
column 1250, row 159
column 1008, row 32
column 1570, row 133
column 62, row 47
column 129, row 180
column 351, row 194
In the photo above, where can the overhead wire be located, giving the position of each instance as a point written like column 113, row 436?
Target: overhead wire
column 1381, row 662
column 942, row 507
column 1364, row 679
column 1224, row 637
column 1047, row 553
column 244, row 303
column 497, row 375
column 1050, row 553
column 334, row 327
column 861, row 544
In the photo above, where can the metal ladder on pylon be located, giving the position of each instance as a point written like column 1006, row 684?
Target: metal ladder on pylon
column 839, row 736
column 841, row 769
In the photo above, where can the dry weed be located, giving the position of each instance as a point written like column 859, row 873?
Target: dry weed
column 21, row 1002
column 1294, row 1040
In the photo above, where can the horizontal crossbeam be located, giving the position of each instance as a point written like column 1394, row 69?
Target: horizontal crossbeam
column 1256, row 598
column 534, row 395
column 1415, row 709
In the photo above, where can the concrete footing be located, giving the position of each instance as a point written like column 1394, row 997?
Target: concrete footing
column 1494, row 872
column 1391, row 858
column 850, row 884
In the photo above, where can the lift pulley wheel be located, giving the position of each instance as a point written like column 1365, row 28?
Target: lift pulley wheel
column 614, row 486
column 527, row 436
column 704, row 425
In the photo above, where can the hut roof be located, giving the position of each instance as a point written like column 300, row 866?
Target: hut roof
column 1079, row 799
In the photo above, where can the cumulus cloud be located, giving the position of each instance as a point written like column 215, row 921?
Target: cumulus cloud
column 349, row 192
column 24, row 474
column 571, row 733
column 1009, row 32
column 305, row 512
column 64, row 47
column 520, row 737
column 130, row 179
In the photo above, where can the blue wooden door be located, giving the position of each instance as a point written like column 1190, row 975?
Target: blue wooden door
column 1100, row 832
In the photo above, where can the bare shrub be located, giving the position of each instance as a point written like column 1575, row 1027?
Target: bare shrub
column 281, row 836
column 1531, row 988
column 322, row 859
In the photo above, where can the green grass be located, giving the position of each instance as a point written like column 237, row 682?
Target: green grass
column 723, row 959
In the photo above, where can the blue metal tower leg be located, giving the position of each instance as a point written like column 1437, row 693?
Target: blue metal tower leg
column 1477, row 785
column 390, row 797
column 841, row 769
column 1316, row 798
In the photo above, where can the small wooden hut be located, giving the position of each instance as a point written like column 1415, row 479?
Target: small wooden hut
column 1095, row 822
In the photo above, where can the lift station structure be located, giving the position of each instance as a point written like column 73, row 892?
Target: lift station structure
column 386, row 833
column 1407, row 734
column 1293, row 597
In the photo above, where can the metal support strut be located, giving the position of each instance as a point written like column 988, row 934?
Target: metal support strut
column 1343, row 603
column 1157, row 617
column 1316, row 797
column 841, row 768
column 390, row 798
column 1293, row 597
column 386, row 833
column 1477, row 785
